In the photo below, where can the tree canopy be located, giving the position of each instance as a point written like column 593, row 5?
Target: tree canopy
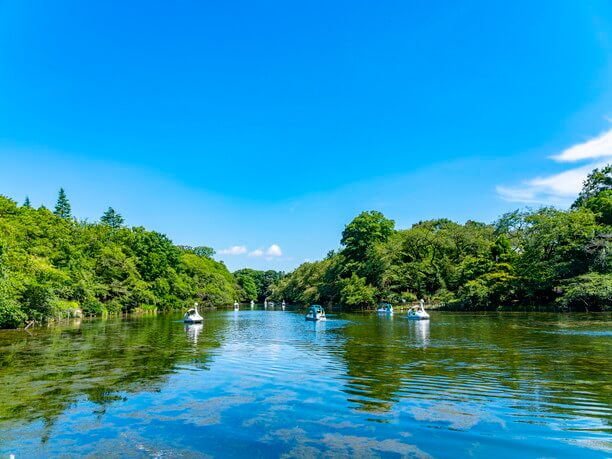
column 527, row 259
column 52, row 265
column 112, row 218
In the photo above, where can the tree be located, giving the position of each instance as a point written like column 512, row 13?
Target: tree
column 596, row 182
column 26, row 203
column 501, row 250
column 248, row 286
column 554, row 248
column 48, row 264
column 62, row 207
column 590, row 292
column 363, row 232
column 112, row 218
column 601, row 206
column 204, row 251
column 357, row 293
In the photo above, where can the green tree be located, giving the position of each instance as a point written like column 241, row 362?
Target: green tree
column 363, row 232
column 356, row 292
column 26, row 203
column 591, row 292
column 204, row 251
column 601, row 206
column 248, row 286
column 62, row 207
column 597, row 181
column 112, row 218
column 50, row 264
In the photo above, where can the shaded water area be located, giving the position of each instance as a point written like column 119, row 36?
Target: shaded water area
column 255, row 383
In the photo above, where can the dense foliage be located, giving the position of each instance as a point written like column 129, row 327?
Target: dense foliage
column 544, row 257
column 52, row 265
column 256, row 285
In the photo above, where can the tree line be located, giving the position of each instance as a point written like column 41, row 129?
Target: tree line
column 551, row 258
column 51, row 264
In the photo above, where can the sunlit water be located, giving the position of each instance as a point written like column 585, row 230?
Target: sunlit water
column 256, row 383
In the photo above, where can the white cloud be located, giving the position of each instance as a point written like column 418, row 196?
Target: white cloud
column 235, row 250
column 256, row 253
column 562, row 188
column 599, row 147
column 274, row 251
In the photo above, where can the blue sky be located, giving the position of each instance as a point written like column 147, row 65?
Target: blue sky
column 262, row 128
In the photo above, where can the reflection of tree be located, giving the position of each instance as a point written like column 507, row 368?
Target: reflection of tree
column 374, row 362
column 43, row 374
column 533, row 362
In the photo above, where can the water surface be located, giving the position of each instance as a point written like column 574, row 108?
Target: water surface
column 256, row 383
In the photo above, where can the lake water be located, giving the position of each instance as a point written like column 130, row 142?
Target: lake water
column 256, row 383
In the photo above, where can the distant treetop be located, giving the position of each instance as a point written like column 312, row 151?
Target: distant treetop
column 62, row 207
column 112, row 218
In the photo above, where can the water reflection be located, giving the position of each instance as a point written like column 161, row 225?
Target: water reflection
column 268, row 383
column 44, row 373
column 193, row 331
column 418, row 332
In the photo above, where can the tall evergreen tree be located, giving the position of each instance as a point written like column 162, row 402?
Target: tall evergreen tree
column 112, row 218
column 62, row 208
column 27, row 203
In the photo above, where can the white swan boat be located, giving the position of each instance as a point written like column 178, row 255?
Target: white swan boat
column 252, row 304
column 236, row 306
column 316, row 313
column 418, row 312
column 385, row 309
column 193, row 316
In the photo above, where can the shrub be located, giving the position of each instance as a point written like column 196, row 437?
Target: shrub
column 94, row 306
column 11, row 315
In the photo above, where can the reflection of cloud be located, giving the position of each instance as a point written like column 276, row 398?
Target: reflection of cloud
column 302, row 451
column 234, row 250
column 196, row 412
column 598, row 445
column 458, row 417
column 337, row 445
column 332, row 422
column 285, row 435
column 280, row 397
column 351, row 446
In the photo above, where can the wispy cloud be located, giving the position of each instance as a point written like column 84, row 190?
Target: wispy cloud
column 274, row 251
column 561, row 189
column 596, row 148
column 557, row 189
column 235, row 250
column 256, row 253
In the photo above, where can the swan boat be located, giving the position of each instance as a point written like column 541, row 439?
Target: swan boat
column 418, row 312
column 193, row 316
column 316, row 313
column 385, row 309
